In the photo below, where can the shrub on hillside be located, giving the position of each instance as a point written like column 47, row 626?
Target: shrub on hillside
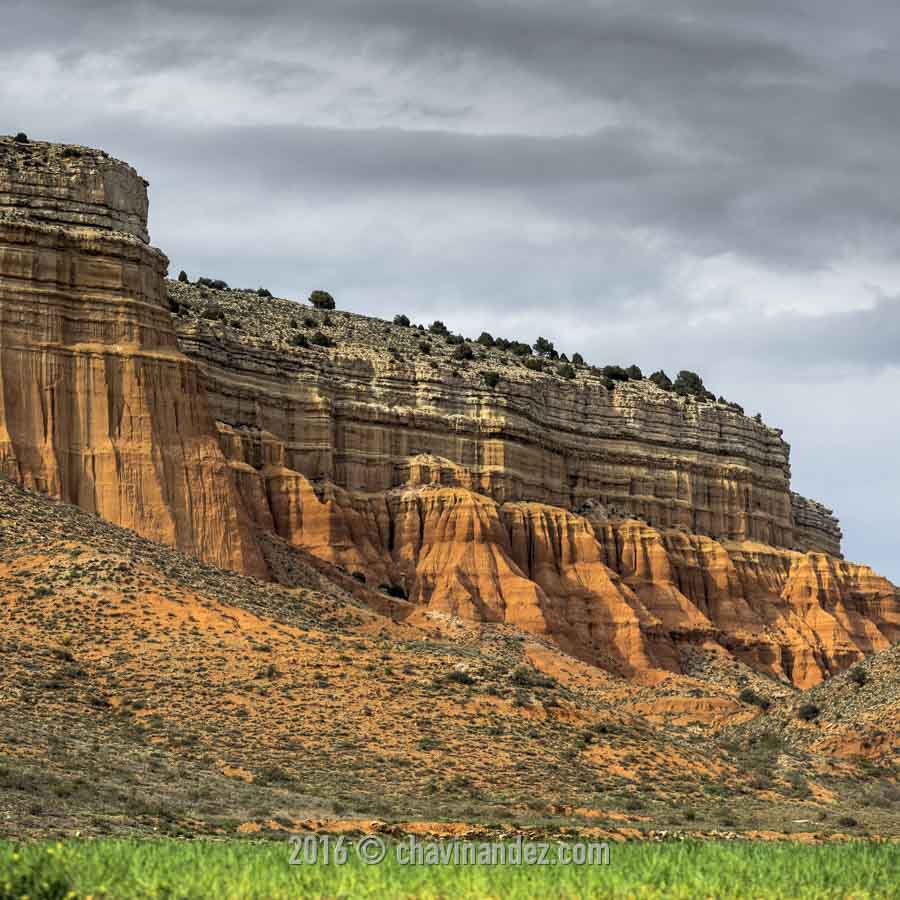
column 525, row 676
column 182, row 277
column 401, row 320
column 491, row 379
column 485, row 339
column 577, row 359
column 661, row 380
column 690, row 384
column 748, row 695
column 566, row 371
column 321, row 300
column 457, row 676
column 809, row 712
column 215, row 284
column 214, row 312
column 322, row 340
column 616, row 373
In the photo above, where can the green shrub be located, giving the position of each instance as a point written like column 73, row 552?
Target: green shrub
column 424, row 347
column 525, row 676
column 322, row 340
column 22, row 138
column 401, row 320
column 215, row 284
column 491, row 379
column 661, row 380
column 634, row 372
column 689, row 383
column 213, row 312
column 858, row 675
column 566, row 371
column 616, row 373
column 543, row 347
column 463, row 352
column 748, row 695
column 321, row 300
column 809, row 712
column 459, row 677
column 577, row 359
column 262, row 292
column 182, row 277
column 438, row 327
column 485, row 339
column 536, row 365
column 299, row 340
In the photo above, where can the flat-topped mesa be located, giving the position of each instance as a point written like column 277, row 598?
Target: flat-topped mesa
column 72, row 186
column 98, row 406
column 369, row 414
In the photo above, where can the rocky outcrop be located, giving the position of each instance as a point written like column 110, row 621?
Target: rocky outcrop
column 815, row 526
column 98, row 406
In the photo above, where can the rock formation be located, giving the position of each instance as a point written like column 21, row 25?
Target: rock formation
column 625, row 522
column 97, row 404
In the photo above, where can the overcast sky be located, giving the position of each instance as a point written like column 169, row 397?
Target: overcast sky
column 700, row 184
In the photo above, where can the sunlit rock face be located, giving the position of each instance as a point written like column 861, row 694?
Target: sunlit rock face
column 98, row 406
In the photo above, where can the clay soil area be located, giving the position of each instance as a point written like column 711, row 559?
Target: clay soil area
column 143, row 691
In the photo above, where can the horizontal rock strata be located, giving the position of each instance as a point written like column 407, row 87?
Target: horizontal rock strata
column 98, row 406
column 626, row 523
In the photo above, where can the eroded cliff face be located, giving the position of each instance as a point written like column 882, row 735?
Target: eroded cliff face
column 98, row 406
column 613, row 591
column 627, row 524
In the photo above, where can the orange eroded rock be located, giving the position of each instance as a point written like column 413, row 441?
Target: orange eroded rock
column 98, row 406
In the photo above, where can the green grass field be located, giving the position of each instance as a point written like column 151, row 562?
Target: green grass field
column 242, row 869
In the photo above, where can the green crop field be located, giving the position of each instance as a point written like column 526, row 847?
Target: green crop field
column 260, row 869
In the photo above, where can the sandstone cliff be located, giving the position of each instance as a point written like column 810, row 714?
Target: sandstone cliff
column 627, row 523
column 357, row 414
column 97, row 404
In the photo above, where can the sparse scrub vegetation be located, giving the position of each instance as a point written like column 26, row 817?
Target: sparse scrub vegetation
column 321, row 300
